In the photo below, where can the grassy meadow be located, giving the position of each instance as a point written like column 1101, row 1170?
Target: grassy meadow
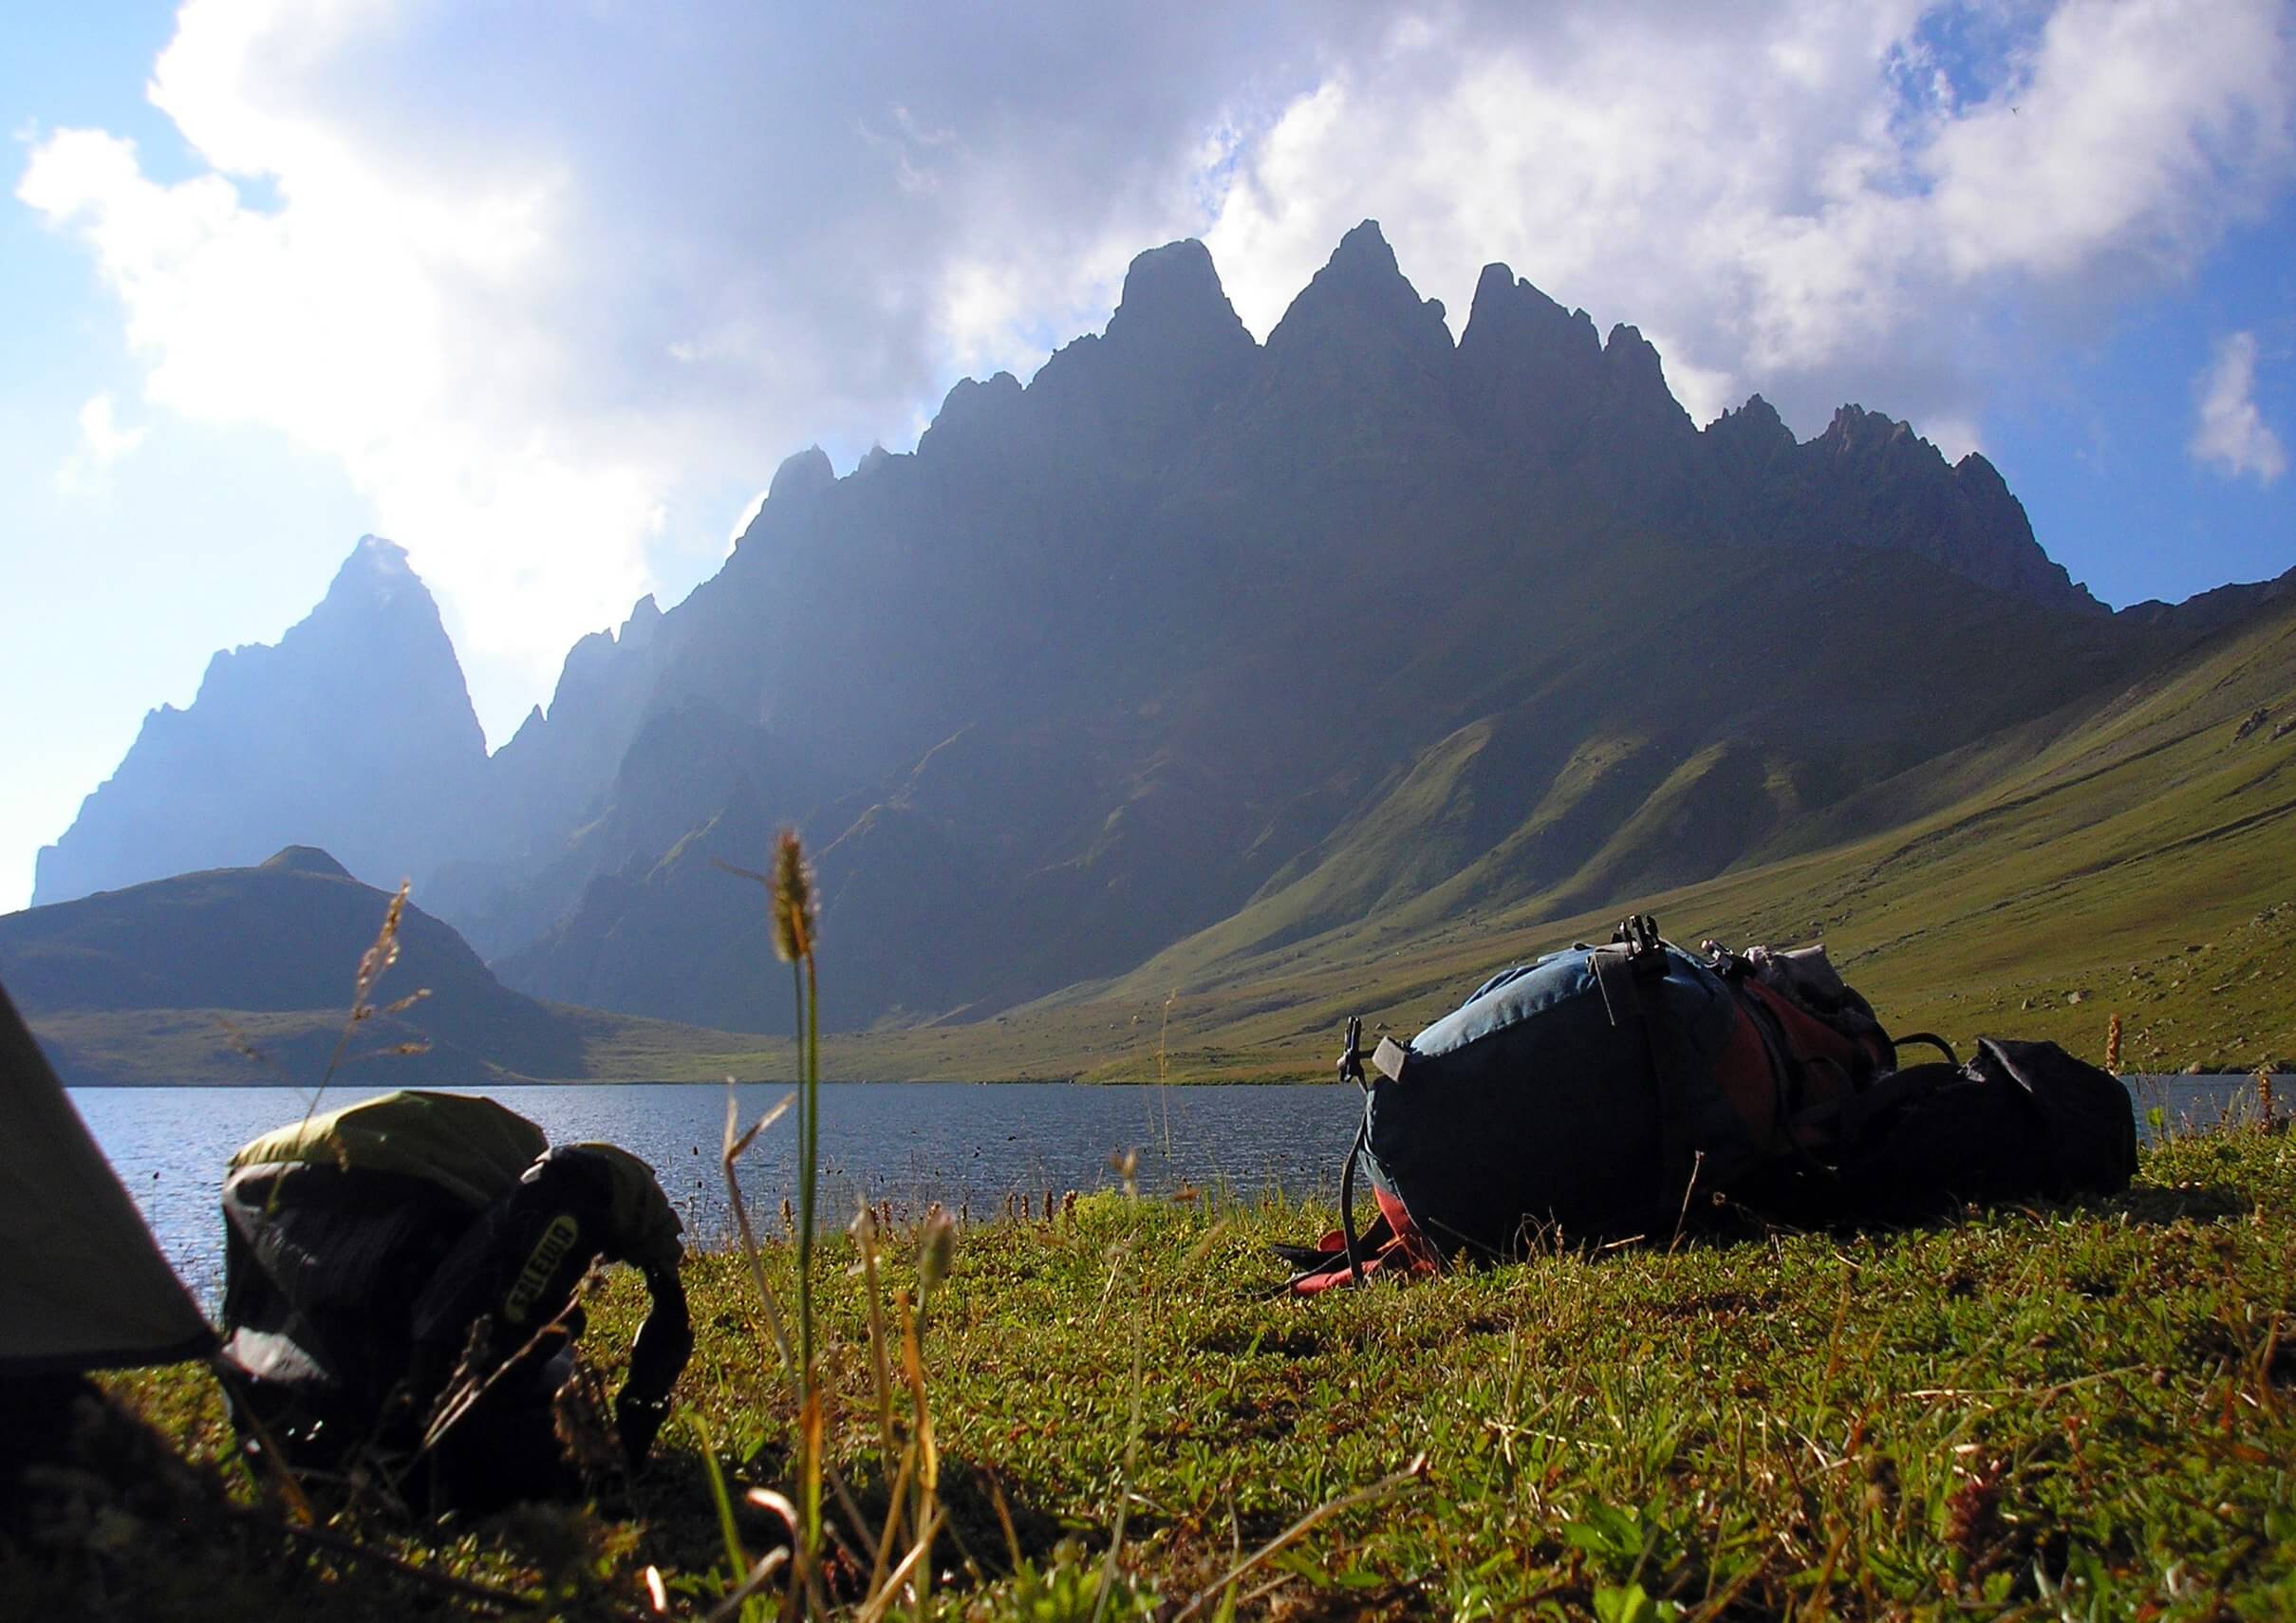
column 2055, row 1411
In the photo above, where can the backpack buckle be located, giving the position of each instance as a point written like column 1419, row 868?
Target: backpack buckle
column 1350, row 1058
column 1645, row 951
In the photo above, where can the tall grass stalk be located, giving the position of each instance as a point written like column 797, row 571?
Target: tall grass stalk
column 791, row 910
column 792, row 914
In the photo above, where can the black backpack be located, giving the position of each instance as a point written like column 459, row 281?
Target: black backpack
column 1612, row 1092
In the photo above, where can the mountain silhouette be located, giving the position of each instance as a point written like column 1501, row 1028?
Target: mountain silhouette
column 1195, row 639
column 353, row 732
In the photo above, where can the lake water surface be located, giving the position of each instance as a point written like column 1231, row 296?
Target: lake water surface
column 967, row 1145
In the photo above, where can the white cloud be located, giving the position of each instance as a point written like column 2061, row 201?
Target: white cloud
column 102, row 441
column 1797, row 196
column 2233, row 435
column 541, row 277
column 106, row 442
column 748, row 517
column 536, row 278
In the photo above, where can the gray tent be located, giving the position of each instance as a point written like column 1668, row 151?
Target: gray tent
column 82, row 1284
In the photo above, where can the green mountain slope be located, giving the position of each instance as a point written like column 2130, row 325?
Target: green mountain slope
column 2140, row 861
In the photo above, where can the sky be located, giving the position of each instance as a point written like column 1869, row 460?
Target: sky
column 545, row 289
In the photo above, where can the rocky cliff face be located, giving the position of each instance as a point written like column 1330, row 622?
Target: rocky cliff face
column 353, row 731
column 1194, row 639
column 1135, row 646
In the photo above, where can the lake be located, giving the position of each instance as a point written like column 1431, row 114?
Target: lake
column 966, row 1145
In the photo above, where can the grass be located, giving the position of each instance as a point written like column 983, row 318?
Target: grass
column 2082, row 1411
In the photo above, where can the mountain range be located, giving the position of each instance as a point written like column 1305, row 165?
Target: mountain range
column 1191, row 653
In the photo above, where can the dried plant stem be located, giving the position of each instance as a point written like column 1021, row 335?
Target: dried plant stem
column 730, row 1608
column 864, row 1234
column 790, row 911
column 749, row 1237
column 893, row 1516
column 917, row 1558
column 1299, row 1529
column 927, row 1512
column 462, row 1394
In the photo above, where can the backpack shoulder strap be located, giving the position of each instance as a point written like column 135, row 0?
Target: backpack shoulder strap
column 1637, row 953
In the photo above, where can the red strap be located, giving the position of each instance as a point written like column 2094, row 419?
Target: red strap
column 1406, row 1253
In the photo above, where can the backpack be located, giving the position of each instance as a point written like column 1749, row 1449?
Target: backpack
column 1615, row 1092
column 2021, row 1119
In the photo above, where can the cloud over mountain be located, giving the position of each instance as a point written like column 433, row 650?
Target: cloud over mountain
column 555, row 287
column 2233, row 435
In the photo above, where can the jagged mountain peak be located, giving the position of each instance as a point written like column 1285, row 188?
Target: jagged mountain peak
column 1497, row 285
column 1360, row 286
column 1753, row 434
column 1173, row 350
column 1631, row 363
column 354, row 729
column 1520, row 326
column 1170, row 292
column 807, row 474
column 1857, row 431
column 971, row 410
column 377, row 559
column 1756, row 415
column 375, row 578
column 1364, row 251
column 1111, row 586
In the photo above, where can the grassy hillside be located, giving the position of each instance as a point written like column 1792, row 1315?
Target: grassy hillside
column 2139, row 858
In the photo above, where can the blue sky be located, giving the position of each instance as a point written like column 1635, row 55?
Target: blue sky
column 545, row 293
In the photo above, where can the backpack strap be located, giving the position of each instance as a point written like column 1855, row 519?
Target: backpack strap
column 1391, row 1244
column 1932, row 1040
column 1347, row 1201
column 1635, row 954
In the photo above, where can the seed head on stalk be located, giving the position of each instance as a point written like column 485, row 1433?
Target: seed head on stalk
column 792, row 889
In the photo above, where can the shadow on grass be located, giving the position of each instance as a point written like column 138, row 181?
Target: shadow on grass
column 681, row 1533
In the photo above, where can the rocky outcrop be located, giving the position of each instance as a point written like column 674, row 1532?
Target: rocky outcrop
column 1872, row 481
